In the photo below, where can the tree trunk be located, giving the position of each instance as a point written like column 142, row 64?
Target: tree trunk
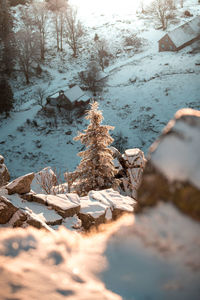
column 42, row 47
column 57, row 33
column 27, row 78
column 61, row 36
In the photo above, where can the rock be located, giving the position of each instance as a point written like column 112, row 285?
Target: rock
column 35, row 221
column 130, row 167
column 160, row 246
column 43, row 181
column 72, row 223
column 49, row 266
column 163, row 241
column 25, row 218
column 18, row 219
column 113, row 200
column 135, row 162
column 4, row 174
column 20, row 185
column 16, row 212
column 92, row 213
column 7, row 209
column 1, row 159
column 66, row 205
column 46, row 215
column 173, row 169
column 98, row 207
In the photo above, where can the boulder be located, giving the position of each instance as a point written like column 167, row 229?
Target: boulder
column 117, row 203
column 24, row 218
column 173, row 169
column 20, row 185
column 7, row 209
column 98, row 207
column 4, row 174
column 92, row 213
column 134, row 165
column 44, row 181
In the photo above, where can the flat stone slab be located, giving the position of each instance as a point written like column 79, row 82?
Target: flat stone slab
column 49, row 216
column 66, row 205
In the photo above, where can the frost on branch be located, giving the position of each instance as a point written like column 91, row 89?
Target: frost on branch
column 96, row 170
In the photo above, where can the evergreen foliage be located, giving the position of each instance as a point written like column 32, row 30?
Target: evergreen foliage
column 96, row 170
column 7, row 49
column 6, row 97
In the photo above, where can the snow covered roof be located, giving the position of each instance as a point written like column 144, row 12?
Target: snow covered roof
column 76, row 93
column 186, row 32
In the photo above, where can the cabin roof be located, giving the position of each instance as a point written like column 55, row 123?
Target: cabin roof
column 186, row 32
column 73, row 94
column 76, row 93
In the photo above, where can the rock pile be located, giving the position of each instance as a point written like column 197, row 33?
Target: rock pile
column 25, row 201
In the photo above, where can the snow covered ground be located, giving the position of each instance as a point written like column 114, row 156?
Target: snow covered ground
column 143, row 91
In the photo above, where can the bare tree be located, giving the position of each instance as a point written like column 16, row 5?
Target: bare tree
column 74, row 30
column 27, row 50
column 27, row 18
column 50, row 181
column 161, row 9
column 40, row 96
column 102, row 53
column 59, row 10
column 91, row 77
column 40, row 14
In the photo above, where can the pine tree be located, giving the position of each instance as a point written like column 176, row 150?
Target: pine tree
column 6, row 97
column 96, row 170
column 7, row 48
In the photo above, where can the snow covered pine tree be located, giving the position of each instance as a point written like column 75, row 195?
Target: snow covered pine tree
column 96, row 170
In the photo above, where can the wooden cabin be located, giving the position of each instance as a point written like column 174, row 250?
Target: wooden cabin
column 181, row 37
column 70, row 98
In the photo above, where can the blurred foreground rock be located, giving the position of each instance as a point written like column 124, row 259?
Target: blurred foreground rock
column 152, row 256
column 173, row 169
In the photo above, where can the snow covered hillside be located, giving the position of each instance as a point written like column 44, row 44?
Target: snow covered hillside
column 143, row 90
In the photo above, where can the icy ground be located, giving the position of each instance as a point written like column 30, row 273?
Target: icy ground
column 143, row 91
